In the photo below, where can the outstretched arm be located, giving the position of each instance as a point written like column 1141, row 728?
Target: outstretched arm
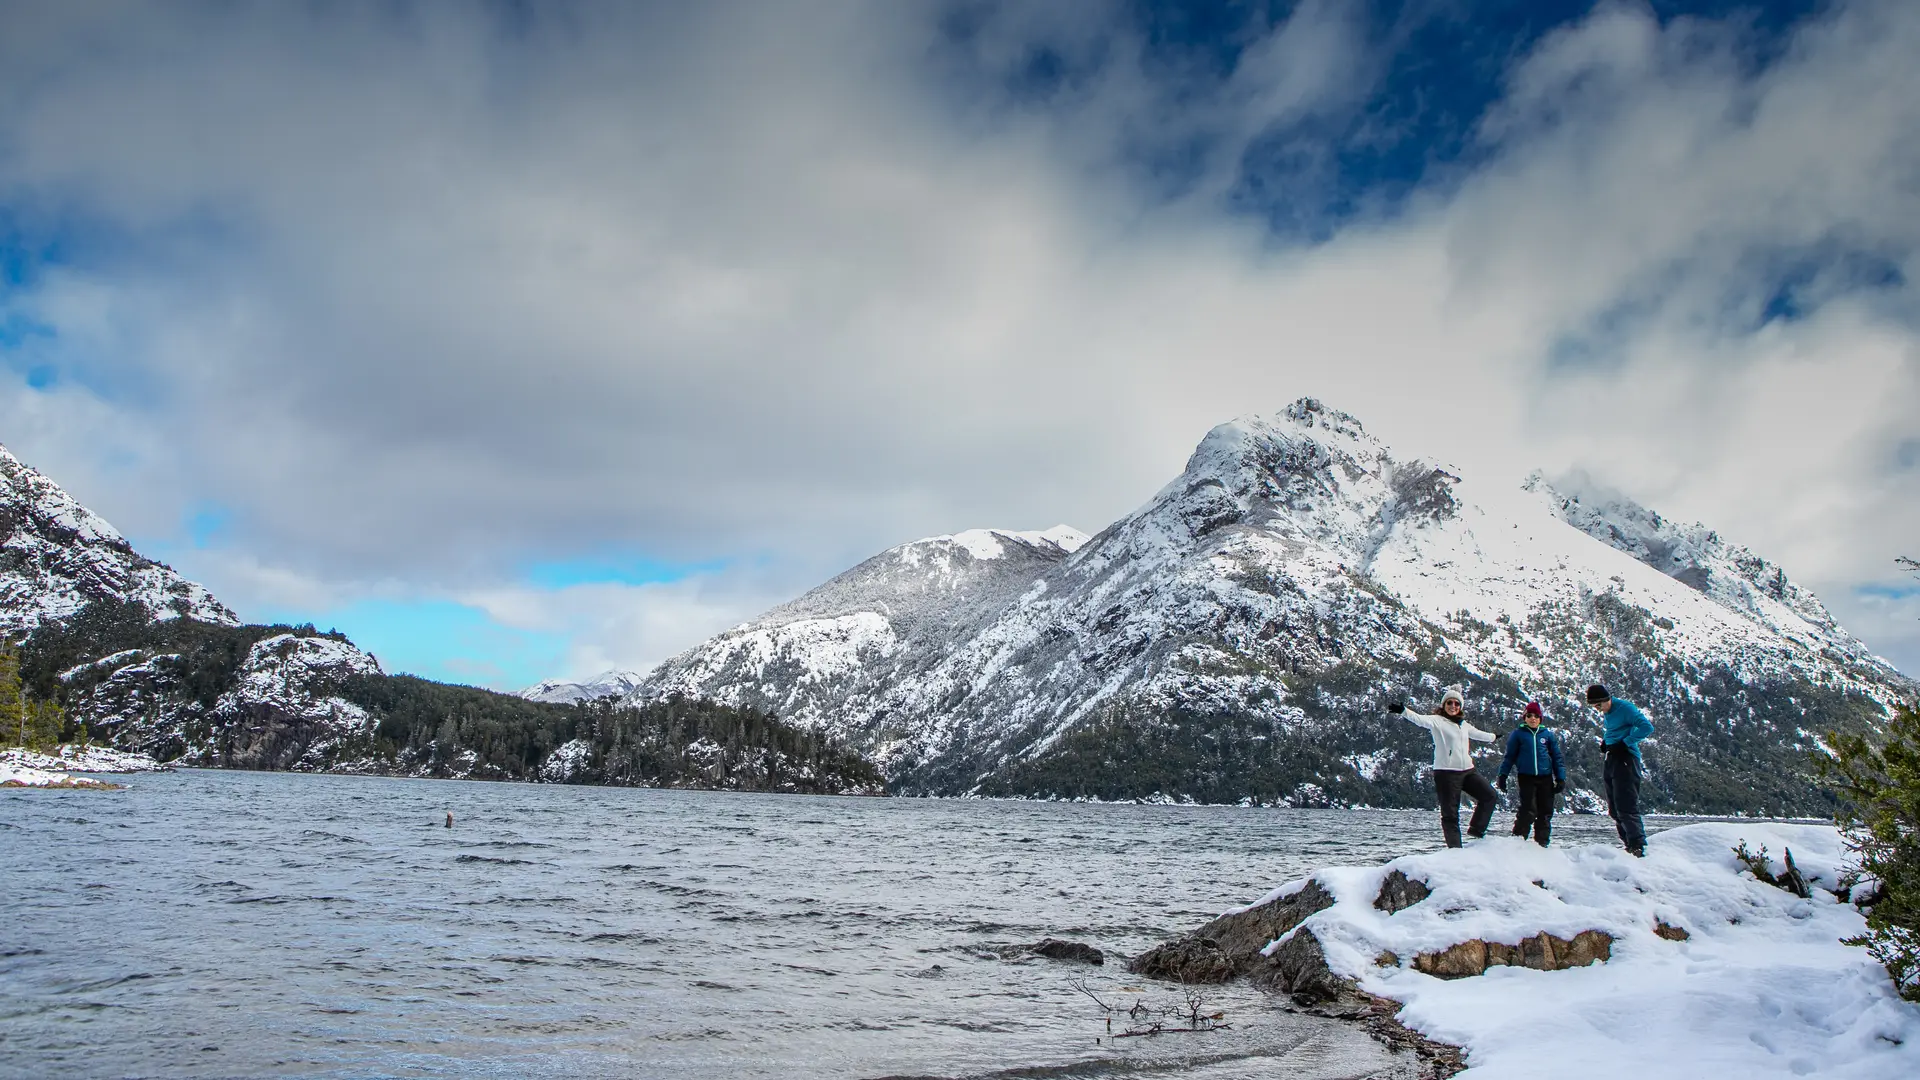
column 1475, row 733
column 1417, row 719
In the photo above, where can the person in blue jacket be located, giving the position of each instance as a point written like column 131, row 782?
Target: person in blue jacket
column 1534, row 752
column 1625, row 727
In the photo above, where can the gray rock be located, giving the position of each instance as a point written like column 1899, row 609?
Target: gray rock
column 1299, row 966
column 1230, row 945
column 1399, row 892
column 1056, row 949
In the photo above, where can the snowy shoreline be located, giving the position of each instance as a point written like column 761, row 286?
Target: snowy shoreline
column 20, row 776
column 1585, row 961
column 22, row 768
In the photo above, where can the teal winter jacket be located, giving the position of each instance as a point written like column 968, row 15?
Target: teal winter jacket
column 1626, row 726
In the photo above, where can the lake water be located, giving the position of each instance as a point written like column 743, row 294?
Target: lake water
column 246, row 924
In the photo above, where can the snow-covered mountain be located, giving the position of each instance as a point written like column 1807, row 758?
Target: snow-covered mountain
column 57, row 556
column 834, row 657
column 1237, row 635
column 617, row 684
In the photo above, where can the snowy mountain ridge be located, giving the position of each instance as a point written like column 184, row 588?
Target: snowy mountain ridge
column 565, row 692
column 56, row 556
column 1292, row 577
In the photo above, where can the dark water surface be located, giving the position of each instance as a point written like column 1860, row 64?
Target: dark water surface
column 246, row 924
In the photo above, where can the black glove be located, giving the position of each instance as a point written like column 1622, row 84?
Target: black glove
column 1559, row 786
column 1503, row 782
column 1397, row 708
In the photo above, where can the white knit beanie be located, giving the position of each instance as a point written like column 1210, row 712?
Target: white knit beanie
column 1454, row 693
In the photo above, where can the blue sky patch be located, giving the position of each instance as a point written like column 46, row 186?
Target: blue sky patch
column 442, row 640
column 206, row 524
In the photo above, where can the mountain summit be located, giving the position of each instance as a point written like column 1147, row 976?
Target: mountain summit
column 1237, row 637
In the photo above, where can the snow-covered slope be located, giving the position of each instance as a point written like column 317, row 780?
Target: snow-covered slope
column 1294, row 577
column 56, row 556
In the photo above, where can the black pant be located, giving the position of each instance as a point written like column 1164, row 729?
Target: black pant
column 1448, row 784
column 1535, row 811
column 1623, row 796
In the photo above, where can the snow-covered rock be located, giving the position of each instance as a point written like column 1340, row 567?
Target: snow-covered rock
column 1695, row 968
column 57, row 556
column 1295, row 577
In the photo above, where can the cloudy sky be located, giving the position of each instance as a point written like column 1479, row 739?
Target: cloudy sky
column 535, row 339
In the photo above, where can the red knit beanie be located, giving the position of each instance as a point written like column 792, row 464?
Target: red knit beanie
column 1533, row 709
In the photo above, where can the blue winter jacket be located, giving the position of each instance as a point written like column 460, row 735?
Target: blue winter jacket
column 1626, row 725
column 1533, row 752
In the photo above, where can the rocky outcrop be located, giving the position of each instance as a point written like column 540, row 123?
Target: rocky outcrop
column 1400, row 892
column 1077, row 951
column 1299, row 967
column 281, row 709
column 1272, row 944
column 1232, row 944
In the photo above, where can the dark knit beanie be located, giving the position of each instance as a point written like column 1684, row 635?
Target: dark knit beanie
column 1533, row 709
column 1597, row 694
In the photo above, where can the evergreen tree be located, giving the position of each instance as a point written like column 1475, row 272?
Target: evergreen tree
column 1880, row 789
column 41, row 725
column 13, row 711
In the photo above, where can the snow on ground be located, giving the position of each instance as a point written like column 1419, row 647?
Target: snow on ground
column 12, row 775
column 1762, row 987
column 92, row 759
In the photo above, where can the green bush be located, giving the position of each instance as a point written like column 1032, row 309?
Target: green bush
column 1880, row 791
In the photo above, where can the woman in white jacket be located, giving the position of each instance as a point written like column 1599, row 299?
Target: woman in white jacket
column 1453, row 764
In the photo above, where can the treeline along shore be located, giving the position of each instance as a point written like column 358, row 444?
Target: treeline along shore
column 278, row 697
